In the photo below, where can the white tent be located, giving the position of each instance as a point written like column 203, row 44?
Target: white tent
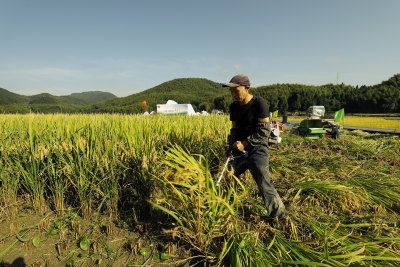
column 173, row 108
column 171, row 102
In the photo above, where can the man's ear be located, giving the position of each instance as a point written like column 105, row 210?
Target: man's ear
column 247, row 87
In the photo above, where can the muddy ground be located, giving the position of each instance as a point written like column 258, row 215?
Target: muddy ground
column 68, row 240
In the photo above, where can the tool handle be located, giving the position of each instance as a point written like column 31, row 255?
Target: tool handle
column 223, row 170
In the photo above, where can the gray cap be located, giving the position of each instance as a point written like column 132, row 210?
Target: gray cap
column 238, row 80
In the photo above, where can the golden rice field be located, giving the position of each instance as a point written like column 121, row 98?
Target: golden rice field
column 378, row 120
column 131, row 190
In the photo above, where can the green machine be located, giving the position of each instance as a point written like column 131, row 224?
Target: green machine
column 313, row 127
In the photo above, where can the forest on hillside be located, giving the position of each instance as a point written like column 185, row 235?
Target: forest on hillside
column 47, row 103
column 381, row 98
column 207, row 95
column 196, row 91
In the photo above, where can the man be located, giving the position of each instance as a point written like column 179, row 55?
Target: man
column 334, row 133
column 250, row 131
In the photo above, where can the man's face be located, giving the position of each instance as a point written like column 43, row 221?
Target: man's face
column 239, row 93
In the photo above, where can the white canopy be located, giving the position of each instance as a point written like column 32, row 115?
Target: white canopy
column 171, row 102
column 172, row 108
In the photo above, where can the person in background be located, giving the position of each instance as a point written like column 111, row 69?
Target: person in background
column 335, row 132
column 249, row 133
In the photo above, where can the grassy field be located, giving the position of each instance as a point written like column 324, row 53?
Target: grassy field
column 83, row 190
column 377, row 120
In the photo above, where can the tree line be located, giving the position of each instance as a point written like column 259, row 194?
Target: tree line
column 207, row 95
column 381, row 98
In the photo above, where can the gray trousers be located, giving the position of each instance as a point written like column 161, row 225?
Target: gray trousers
column 256, row 160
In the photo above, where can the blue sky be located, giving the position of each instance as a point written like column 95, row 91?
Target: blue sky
column 127, row 46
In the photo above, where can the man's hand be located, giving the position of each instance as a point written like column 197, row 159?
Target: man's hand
column 239, row 145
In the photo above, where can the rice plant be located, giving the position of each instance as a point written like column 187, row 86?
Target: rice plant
column 342, row 195
column 203, row 213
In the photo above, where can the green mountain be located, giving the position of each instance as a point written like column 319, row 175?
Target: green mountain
column 92, row 97
column 7, row 97
column 196, row 91
column 55, row 100
column 204, row 94
column 47, row 103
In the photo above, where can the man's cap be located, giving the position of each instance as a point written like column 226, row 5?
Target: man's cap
column 238, row 80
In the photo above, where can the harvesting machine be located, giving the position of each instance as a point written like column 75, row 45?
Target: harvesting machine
column 312, row 127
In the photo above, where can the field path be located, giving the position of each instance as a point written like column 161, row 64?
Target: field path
column 372, row 129
column 365, row 128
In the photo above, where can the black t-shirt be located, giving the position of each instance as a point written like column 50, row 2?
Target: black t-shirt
column 246, row 116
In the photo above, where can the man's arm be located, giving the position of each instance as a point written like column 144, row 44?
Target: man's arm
column 261, row 134
column 232, row 134
column 259, row 137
